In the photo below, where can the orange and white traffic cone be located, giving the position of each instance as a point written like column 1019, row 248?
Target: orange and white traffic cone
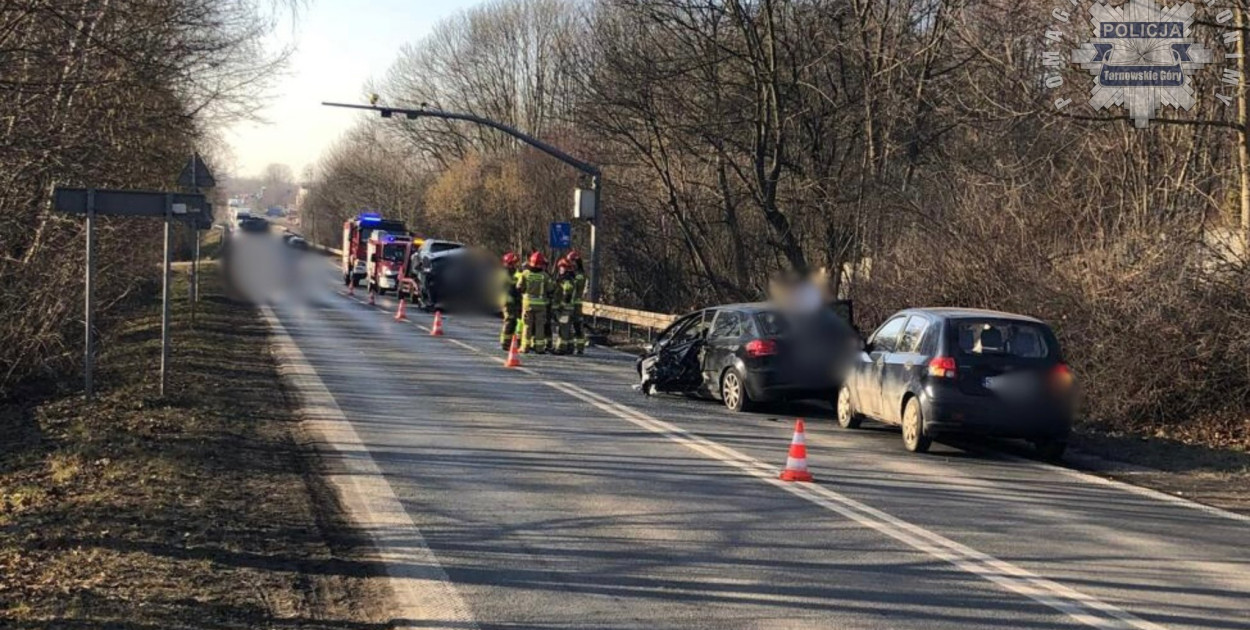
column 437, row 330
column 401, row 315
column 514, row 357
column 796, row 463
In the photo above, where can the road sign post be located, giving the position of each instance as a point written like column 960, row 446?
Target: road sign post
column 88, row 354
column 169, row 216
column 135, row 203
column 196, row 175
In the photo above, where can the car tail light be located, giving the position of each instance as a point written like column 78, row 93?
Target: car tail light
column 761, row 348
column 942, row 367
column 1061, row 375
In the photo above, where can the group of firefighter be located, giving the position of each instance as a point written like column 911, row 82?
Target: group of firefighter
column 539, row 306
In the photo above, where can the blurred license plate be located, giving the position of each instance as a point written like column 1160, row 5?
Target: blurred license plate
column 1011, row 385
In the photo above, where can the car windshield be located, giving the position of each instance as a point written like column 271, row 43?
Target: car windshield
column 771, row 323
column 1022, row 340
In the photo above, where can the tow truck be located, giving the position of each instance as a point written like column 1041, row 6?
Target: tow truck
column 387, row 261
column 356, row 232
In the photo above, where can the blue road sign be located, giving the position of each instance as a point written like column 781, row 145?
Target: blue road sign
column 561, row 235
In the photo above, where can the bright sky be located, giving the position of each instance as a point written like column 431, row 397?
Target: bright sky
column 341, row 44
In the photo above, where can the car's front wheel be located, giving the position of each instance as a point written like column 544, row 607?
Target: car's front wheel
column 733, row 391
column 914, row 439
column 848, row 418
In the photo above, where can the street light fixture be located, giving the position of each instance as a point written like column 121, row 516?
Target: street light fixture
column 596, row 176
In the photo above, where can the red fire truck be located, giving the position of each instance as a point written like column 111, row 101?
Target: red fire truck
column 386, row 265
column 356, row 232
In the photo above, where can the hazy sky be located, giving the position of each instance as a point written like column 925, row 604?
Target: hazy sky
column 340, row 44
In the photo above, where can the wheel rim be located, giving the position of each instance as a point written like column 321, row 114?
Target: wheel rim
column 844, row 407
column 911, row 432
column 733, row 390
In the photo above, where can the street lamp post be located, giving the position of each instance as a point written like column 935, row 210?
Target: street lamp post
column 596, row 176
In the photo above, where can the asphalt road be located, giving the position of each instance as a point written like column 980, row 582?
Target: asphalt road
column 556, row 496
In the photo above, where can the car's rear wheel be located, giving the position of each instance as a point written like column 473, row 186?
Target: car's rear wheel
column 848, row 418
column 914, row 438
column 733, row 391
column 1050, row 450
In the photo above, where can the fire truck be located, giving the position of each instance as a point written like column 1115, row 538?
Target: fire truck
column 387, row 260
column 356, row 232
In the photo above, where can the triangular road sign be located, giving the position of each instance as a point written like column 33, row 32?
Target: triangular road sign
column 196, row 174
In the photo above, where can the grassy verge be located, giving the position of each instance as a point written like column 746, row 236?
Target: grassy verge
column 199, row 510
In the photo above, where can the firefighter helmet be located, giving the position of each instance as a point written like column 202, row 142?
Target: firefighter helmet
column 537, row 260
column 573, row 256
column 510, row 259
column 564, row 265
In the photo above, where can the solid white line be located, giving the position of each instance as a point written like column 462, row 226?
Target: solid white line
column 1079, row 606
column 422, row 590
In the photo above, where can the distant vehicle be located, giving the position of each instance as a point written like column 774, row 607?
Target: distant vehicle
column 743, row 354
column 275, row 211
column 253, row 224
column 356, row 233
column 237, row 216
column 297, row 242
column 941, row 371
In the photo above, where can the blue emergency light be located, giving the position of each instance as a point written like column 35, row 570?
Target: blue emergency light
column 369, row 217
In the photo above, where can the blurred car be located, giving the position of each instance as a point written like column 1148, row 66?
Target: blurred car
column 297, row 242
column 941, row 371
column 744, row 354
column 253, row 224
column 435, row 268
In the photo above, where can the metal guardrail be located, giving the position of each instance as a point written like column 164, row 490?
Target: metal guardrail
column 626, row 320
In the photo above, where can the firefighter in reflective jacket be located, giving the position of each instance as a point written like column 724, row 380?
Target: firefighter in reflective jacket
column 575, row 301
column 510, row 301
column 534, row 285
column 561, row 307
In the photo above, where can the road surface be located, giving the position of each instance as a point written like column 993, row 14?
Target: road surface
column 556, row 496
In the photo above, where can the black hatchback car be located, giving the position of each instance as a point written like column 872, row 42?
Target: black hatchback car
column 942, row 371
column 747, row 353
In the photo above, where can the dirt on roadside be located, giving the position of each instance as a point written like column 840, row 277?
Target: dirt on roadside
column 200, row 510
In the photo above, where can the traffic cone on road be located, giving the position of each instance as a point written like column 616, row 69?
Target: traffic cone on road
column 437, row 330
column 514, row 358
column 796, row 463
column 401, row 315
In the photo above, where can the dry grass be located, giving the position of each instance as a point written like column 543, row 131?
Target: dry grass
column 195, row 511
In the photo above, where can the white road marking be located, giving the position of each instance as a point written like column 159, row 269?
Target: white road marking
column 422, row 590
column 1081, row 607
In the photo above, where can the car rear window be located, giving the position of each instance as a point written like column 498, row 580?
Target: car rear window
column 1002, row 338
column 443, row 247
column 771, row 323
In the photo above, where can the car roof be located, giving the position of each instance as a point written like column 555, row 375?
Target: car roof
column 949, row 312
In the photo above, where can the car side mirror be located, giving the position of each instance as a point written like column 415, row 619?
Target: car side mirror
column 648, row 348
column 867, row 346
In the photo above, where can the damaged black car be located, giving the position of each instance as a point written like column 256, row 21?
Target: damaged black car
column 744, row 354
